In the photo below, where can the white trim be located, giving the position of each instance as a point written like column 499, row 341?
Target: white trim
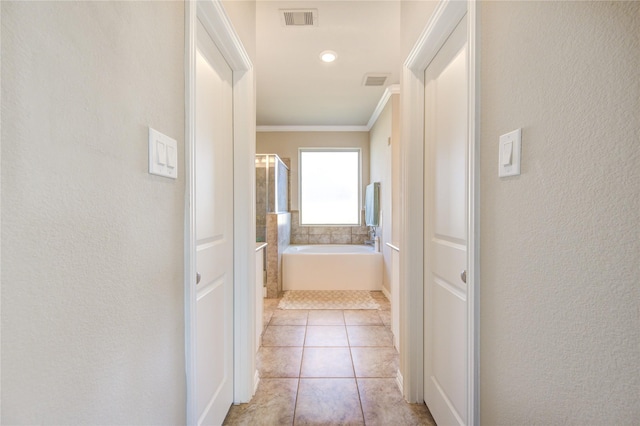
column 244, row 172
column 393, row 247
column 443, row 21
column 411, row 239
column 256, row 381
column 190, row 220
column 445, row 18
column 392, row 89
column 386, row 293
column 388, row 92
column 266, row 129
column 473, row 215
column 215, row 20
column 399, row 380
column 218, row 25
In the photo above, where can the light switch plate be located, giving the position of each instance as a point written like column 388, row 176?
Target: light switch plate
column 509, row 153
column 163, row 155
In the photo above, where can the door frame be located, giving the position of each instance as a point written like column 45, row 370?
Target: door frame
column 215, row 20
column 443, row 21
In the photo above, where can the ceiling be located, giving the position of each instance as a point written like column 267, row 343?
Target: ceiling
column 295, row 88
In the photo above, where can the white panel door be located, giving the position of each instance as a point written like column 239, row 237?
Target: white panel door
column 214, row 232
column 445, row 292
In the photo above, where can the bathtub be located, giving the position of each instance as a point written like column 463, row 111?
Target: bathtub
column 331, row 267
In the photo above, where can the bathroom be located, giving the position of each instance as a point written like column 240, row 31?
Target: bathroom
column 379, row 163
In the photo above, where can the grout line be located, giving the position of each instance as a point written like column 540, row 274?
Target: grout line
column 295, row 402
column 355, row 376
column 303, row 347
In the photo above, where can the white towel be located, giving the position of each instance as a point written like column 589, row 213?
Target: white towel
column 372, row 204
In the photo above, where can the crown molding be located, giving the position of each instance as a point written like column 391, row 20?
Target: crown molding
column 312, row 129
column 392, row 89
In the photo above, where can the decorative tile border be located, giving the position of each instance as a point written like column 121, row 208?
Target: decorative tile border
column 326, row 234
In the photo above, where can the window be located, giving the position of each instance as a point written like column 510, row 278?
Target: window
column 329, row 186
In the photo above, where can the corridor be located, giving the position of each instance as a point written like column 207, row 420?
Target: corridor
column 328, row 367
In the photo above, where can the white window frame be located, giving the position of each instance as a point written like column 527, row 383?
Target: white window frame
column 330, row 149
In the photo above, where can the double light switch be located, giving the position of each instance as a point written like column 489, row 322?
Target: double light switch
column 163, row 155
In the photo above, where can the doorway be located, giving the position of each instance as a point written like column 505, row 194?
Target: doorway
column 418, row 262
column 217, row 32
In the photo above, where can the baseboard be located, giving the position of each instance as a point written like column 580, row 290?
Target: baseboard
column 386, row 293
column 396, row 341
column 400, row 381
column 256, row 381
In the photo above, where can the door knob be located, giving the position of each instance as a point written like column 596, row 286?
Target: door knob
column 198, row 277
column 463, row 276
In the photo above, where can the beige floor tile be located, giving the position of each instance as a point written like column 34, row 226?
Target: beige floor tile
column 266, row 317
column 279, row 361
column 326, row 335
column 362, row 317
column 270, row 304
column 283, row 335
column 381, row 299
column 378, row 295
column 326, row 362
column 289, row 317
column 328, row 401
column 327, row 392
column 385, row 316
column 273, row 404
column 375, row 362
column 326, row 317
column 382, row 404
column 369, row 335
column 384, row 305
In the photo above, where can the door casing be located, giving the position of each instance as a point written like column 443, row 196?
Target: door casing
column 215, row 20
column 443, row 21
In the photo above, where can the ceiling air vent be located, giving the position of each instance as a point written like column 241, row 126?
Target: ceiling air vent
column 299, row 17
column 374, row 79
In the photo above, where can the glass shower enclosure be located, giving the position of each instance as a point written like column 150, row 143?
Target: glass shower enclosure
column 272, row 190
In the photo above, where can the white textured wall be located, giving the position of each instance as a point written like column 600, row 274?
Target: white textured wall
column 92, row 266
column 560, row 252
column 380, row 171
column 286, row 145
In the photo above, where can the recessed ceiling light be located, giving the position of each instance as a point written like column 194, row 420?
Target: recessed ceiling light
column 328, row 56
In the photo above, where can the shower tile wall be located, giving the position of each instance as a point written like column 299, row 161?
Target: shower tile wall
column 261, row 202
column 326, row 234
column 273, row 222
column 278, row 229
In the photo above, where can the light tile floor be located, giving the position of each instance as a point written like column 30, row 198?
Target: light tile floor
column 326, row 367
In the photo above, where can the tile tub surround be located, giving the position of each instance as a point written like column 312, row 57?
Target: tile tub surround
column 328, row 367
column 261, row 202
column 326, row 234
column 278, row 238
